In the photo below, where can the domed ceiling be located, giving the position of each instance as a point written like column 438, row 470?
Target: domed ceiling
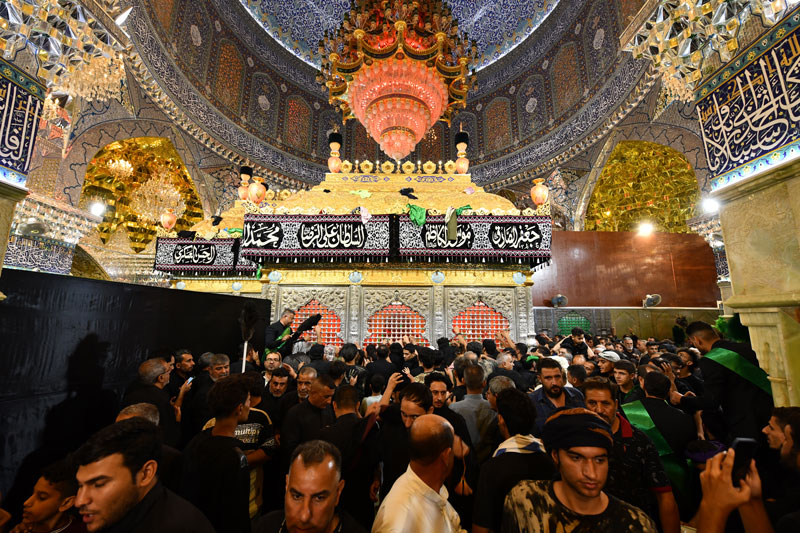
column 497, row 26
column 243, row 83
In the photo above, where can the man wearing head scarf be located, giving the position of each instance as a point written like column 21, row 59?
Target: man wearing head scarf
column 579, row 442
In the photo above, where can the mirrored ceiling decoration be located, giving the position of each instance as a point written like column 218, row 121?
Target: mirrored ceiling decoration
column 497, row 26
column 643, row 182
column 132, row 183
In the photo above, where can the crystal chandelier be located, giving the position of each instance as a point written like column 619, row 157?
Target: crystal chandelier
column 155, row 197
column 681, row 34
column 120, row 168
column 397, row 67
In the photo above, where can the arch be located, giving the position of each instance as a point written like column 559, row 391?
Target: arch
column 599, row 39
column 330, row 324
column 531, row 106
column 88, row 142
column 229, row 75
column 195, row 56
column 264, row 103
column 497, row 125
column 127, row 204
column 682, row 139
column 643, row 181
column 297, row 124
column 566, row 82
column 395, row 320
column 480, row 321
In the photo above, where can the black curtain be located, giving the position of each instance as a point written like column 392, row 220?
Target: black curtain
column 69, row 347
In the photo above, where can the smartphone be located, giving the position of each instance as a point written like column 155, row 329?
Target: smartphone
column 745, row 451
column 190, row 379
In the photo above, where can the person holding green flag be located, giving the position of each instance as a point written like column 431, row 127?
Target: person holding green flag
column 733, row 381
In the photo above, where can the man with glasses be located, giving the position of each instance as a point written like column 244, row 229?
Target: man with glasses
column 149, row 388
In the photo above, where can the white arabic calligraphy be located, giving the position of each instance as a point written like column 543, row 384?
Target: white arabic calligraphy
column 195, row 254
column 515, row 236
column 756, row 112
column 332, row 235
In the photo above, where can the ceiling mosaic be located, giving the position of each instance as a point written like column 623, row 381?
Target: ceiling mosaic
column 497, row 26
column 643, row 182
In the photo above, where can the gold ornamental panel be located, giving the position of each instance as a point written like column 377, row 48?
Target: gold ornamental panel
column 643, row 181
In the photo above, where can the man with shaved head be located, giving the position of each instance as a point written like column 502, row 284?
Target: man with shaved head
column 304, row 421
column 418, row 499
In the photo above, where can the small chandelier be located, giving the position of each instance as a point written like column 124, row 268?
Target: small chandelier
column 397, row 67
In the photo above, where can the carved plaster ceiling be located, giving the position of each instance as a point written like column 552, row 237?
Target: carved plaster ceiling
column 497, row 26
column 643, row 181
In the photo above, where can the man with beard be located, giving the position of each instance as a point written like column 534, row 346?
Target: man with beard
column 635, row 473
column 628, row 349
column 276, row 389
column 184, row 365
column 732, row 381
column 579, row 442
column 150, row 388
column 118, row 486
column 272, row 362
column 304, row 421
column 553, row 394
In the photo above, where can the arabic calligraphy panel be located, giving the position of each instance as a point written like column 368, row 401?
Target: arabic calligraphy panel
column 756, row 111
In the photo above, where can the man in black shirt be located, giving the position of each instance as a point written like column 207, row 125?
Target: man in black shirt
column 196, row 411
column 357, row 440
column 313, row 491
column 635, row 473
column 215, row 470
column 276, row 389
column 184, row 365
column 348, row 353
column 118, row 487
column 625, row 378
column 605, row 363
column 576, row 343
column 382, row 365
column 149, row 388
column 305, row 377
column 746, row 406
column 277, row 338
column 304, row 421
column 519, row 457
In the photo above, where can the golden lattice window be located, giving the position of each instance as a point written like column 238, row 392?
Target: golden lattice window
column 331, row 324
column 393, row 322
column 479, row 321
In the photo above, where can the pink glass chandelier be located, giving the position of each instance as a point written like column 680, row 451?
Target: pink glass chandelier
column 397, row 67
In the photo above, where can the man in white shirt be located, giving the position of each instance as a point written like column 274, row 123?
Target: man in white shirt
column 418, row 499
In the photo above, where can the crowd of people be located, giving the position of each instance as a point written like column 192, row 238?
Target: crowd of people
column 577, row 433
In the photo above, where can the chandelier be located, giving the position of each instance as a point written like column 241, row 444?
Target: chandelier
column 679, row 36
column 397, row 67
column 157, row 196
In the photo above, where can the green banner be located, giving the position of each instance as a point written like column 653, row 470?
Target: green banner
column 741, row 366
column 676, row 467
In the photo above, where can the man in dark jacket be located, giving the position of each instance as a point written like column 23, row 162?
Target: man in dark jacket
column 357, row 440
column 119, row 489
column 733, row 381
column 153, row 377
column 277, row 338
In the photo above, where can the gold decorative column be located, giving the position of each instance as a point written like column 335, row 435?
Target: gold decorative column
column 761, row 226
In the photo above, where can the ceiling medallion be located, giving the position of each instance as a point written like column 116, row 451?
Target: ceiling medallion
column 397, row 67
